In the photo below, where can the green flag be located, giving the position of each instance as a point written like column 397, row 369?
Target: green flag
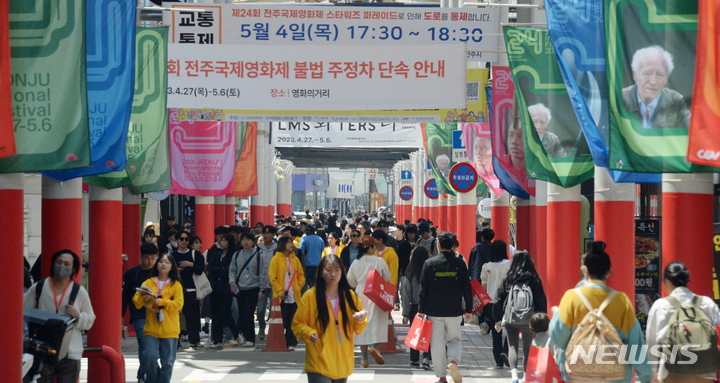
column 148, row 167
column 555, row 147
column 49, row 86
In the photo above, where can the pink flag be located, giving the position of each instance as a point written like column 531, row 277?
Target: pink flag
column 479, row 151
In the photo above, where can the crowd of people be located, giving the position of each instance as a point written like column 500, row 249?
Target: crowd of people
column 318, row 268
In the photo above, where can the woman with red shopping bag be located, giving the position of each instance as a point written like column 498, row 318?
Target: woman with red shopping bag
column 410, row 284
column 377, row 327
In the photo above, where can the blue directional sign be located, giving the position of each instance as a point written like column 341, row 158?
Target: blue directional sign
column 457, row 139
column 463, row 177
column 405, row 175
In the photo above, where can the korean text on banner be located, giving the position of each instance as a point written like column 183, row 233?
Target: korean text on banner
column 110, row 80
column 7, row 132
column 704, row 134
column 342, row 78
column 555, row 147
column 479, row 152
column 341, row 188
column 650, row 75
column 333, row 26
column 507, row 140
column 50, row 111
column 148, row 163
column 576, row 31
column 245, row 179
column 345, row 135
column 202, row 156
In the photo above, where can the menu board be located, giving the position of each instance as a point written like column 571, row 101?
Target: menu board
column 647, row 267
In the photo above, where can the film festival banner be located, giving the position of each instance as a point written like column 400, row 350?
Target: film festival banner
column 317, row 78
column 555, row 147
column 346, row 135
column 110, row 83
column 202, row 156
column 332, row 26
column 148, row 160
column 508, row 148
column 650, row 72
column 576, row 31
column 245, row 179
column 49, row 86
column 478, row 145
column 438, row 139
column 7, row 132
column 704, row 140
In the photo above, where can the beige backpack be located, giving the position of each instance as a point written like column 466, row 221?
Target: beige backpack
column 594, row 331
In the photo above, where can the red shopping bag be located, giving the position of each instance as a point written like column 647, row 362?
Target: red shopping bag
column 418, row 337
column 379, row 291
column 541, row 367
column 480, row 296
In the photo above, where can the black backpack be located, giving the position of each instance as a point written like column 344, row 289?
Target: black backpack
column 73, row 293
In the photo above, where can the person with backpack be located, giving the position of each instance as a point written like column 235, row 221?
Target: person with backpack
column 593, row 316
column 682, row 310
column 519, row 296
column 74, row 301
column 492, row 275
column 246, row 276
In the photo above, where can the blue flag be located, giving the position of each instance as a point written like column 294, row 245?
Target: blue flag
column 576, row 31
column 110, row 85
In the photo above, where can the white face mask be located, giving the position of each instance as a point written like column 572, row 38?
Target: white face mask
column 173, row 243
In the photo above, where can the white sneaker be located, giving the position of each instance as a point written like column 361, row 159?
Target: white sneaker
column 484, row 328
column 248, row 344
column 453, row 370
column 216, row 346
column 291, row 348
column 231, row 343
column 240, row 339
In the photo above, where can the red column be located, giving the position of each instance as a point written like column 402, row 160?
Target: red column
column 230, row 211
column 11, row 225
column 522, row 225
column 452, row 214
column 466, row 208
column 106, row 276
column 434, row 213
column 219, row 211
column 563, row 243
column 687, row 227
column 442, row 222
column 500, row 215
column 204, row 221
column 615, row 225
column 132, row 229
column 61, row 219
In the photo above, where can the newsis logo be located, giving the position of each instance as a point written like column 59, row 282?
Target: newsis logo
column 608, row 354
column 708, row 155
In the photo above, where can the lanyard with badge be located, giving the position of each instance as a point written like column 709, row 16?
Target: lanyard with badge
column 335, row 309
column 57, row 304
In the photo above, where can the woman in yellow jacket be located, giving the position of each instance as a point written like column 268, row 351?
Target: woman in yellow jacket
column 329, row 317
column 282, row 267
column 162, row 319
column 334, row 246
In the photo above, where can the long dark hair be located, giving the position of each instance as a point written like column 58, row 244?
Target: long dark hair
column 417, row 259
column 521, row 267
column 174, row 274
column 344, row 295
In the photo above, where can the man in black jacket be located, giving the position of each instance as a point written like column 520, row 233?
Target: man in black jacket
column 444, row 282
column 132, row 279
column 479, row 253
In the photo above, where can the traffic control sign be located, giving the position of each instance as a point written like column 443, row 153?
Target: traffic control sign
column 431, row 189
column 406, row 193
column 463, row 177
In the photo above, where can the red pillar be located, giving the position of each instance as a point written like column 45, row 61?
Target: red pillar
column 106, row 277
column 204, row 221
column 522, row 225
column 61, row 220
column 452, row 214
column 11, row 224
column 434, row 213
column 563, row 243
column 230, row 211
column 500, row 215
column 466, row 208
column 615, row 225
column 687, row 227
column 539, row 231
column 415, row 213
column 131, row 229
column 219, row 209
column 442, row 212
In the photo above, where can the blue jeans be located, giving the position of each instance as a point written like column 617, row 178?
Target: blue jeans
column 165, row 349
column 261, row 307
column 139, row 325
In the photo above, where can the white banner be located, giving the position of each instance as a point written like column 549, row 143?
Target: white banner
column 336, row 26
column 341, row 188
column 346, row 135
column 316, row 78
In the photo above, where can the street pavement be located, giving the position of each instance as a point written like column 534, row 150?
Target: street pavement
column 249, row 365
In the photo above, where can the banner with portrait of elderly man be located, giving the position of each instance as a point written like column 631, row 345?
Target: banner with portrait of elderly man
column 650, row 52
column 555, row 147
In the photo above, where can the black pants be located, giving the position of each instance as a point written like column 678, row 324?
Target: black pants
column 221, row 308
column 191, row 311
column 415, row 354
column 310, row 276
column 500, row 344
column 288, row 313
column 65, row 371
column 247, row 302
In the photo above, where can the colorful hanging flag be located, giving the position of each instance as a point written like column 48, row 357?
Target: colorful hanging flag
column 704, row 134
column 555, row 147
column 148, row 160
column 245, row 180
column 110, row 79
column 478, row 145
column 650, row 73
column 576, row 31
column 507, row 139
column 49, row 86
column 202, row 156
column 7, row 131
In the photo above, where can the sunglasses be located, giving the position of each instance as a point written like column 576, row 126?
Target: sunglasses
column 184, row 239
